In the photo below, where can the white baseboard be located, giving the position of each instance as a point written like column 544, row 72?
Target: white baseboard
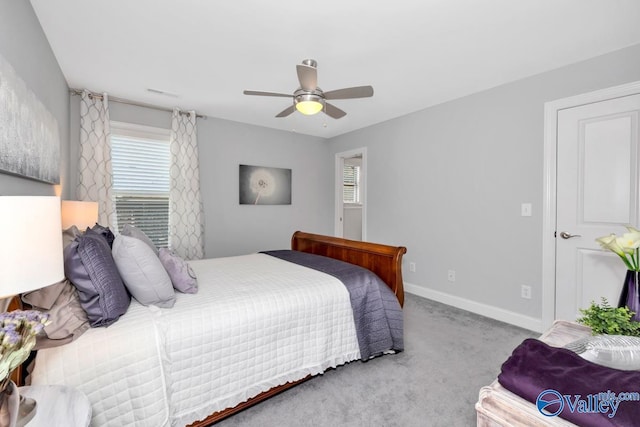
column 496, row 313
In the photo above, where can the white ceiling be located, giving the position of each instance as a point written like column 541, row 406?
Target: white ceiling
column 415, row 53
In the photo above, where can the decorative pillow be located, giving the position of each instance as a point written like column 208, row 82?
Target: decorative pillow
column 142, row 272
column 131, row 231
column 182, row 276
column 104, row 232
column 69, row 235
column 68, row 320
column 88, row 264
column 613, row 351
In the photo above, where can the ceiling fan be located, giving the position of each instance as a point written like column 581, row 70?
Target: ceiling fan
column 310, row 99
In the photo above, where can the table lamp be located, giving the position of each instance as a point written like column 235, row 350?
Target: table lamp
column 80, row 214
column 30, row 253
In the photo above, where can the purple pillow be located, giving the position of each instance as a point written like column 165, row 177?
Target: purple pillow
column 181, row 274
column 104, row 232
column 88, row 264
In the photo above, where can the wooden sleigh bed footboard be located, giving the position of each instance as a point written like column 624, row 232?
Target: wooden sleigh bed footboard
column 384, row 260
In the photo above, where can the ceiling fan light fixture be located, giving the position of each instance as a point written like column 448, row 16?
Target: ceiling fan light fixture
column 309, row 99
column 309, row 104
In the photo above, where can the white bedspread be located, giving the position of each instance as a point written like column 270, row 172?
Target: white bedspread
column 255, row 323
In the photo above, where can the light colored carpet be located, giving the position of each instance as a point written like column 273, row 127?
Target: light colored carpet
column 449, row 355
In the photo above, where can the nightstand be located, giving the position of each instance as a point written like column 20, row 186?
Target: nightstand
column 58, row 406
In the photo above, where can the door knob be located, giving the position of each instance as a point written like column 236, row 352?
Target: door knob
column 566, row 235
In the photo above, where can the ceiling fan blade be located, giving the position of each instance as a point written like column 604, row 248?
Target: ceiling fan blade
column 287, row 111
column 255, row 92
column 333, row 111
column 350, row 92
column 308, row 77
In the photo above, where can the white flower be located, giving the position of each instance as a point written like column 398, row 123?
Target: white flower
column 626, row 247
column 261, row 183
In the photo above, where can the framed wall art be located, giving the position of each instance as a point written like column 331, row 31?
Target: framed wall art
column 260, row 185
column 29, row 135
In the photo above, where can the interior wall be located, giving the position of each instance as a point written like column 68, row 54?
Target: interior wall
column 237, row 229
column 24, row 45
column 447, row 182
column 231, row 228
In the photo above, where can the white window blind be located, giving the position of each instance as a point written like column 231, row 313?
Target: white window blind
column 351, row 184
column 141, row 182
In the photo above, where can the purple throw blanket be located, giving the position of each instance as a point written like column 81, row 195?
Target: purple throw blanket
column 571, row 387
column 376, row 311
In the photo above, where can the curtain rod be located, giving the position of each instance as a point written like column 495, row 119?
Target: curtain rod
column 129, row 102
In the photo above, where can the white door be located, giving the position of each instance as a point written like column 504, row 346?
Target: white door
column 597, row 194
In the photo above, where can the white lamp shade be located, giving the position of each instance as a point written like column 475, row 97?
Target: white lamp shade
column 80, row 214
column 31, row 249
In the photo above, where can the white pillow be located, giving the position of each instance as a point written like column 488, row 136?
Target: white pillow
column 613, row 351
column 142, row 272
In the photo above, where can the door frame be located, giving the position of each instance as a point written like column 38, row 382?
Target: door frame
column 551, row 110
column 339, row 205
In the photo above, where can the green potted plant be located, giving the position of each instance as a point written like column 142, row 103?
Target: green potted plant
column 604, row 319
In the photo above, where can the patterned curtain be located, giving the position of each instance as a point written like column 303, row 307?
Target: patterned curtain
column 94, row 169
column 185, row 213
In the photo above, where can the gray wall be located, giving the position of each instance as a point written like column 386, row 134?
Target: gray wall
column 235, row 229
column 231, row 228
column 25, row 47
column 448, row 181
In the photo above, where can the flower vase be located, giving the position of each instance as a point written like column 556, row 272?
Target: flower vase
column 9, row 405
column 629, row 296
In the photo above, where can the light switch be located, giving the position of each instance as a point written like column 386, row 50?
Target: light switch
column 525, row 209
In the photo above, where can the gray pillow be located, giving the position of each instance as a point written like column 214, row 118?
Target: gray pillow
column 613, row 351
column 88, row 264
column 67, row 318
column 142, row 272
column 131, row 231
column 69, row 235
column 182, row 276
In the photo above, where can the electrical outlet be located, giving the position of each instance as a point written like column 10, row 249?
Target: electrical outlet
column 525, row 291
column 451, row 275
column 412, row 267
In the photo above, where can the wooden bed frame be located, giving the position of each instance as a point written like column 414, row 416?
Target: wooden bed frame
column 385, row 261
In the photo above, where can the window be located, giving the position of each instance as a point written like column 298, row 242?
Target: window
column 351, row 183
column 141, row 161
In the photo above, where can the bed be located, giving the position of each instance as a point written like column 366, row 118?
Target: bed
column 258, row 325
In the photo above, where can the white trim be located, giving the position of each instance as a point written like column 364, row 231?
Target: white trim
column 549, row 190
column 513, row 318
column 339, row 206
column 338, row 220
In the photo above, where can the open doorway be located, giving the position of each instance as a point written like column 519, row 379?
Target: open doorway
column 350, row 194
